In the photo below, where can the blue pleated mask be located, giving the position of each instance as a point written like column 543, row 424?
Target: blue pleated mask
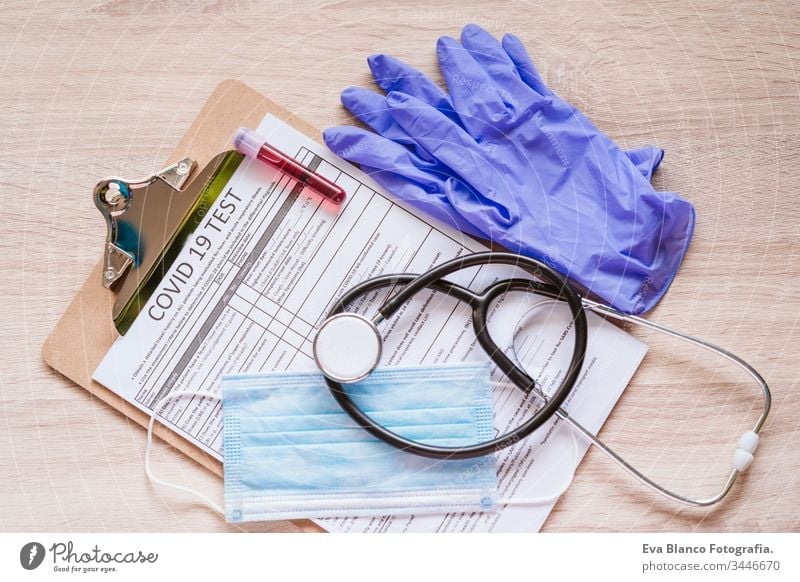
column 291, row 452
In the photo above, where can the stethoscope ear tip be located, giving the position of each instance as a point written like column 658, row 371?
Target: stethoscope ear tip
column 743, row 456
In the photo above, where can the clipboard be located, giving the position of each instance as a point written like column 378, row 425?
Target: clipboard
column 86, row 330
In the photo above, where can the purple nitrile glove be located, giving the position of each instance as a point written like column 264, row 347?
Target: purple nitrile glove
column 506, row 159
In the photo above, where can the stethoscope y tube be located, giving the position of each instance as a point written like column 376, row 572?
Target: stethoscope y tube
column 553, row 286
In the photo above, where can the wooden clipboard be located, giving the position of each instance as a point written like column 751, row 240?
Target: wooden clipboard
column 86, row 331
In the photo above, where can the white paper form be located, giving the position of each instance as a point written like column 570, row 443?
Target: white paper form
column 248, row 296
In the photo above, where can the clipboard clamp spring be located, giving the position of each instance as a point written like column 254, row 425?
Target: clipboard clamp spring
column 113, row 197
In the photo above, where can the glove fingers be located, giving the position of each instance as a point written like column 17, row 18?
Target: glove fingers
column 400, row 172
column 370, row 108
column 487, row 52
column 646, row 159
column 365, row 148
column 525, row 67
column 434, row 203
column 458, row 152
column 392, row 74
column 475, row 95
column 448, row 142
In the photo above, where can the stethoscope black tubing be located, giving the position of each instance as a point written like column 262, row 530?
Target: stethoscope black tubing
column 554, row 287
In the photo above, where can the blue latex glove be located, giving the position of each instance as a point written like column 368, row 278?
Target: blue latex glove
column 369, row 107
column 527, row 170
column 391, row 74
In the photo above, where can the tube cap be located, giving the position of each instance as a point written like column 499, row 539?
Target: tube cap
column 248, row 142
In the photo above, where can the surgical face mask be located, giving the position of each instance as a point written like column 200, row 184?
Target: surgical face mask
column 291, row 452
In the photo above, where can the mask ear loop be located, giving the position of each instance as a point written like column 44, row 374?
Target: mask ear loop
column 548, row 499
column 148, row 471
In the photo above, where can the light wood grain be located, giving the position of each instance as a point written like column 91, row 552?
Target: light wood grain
column 89, row 89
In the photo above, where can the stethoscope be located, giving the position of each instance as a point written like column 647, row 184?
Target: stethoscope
column 348, row 346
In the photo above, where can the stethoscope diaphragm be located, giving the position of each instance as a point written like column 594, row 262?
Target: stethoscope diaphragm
column 347, row 347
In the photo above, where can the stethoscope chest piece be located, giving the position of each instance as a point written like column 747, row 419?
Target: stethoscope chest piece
column 347, row 347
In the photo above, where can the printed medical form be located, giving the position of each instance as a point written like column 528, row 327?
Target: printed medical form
column 260, row 274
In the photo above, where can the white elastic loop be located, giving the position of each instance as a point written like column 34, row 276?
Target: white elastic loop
column 546, row 500
column 149, row 472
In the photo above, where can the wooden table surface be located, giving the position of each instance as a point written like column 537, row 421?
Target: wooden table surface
column 107, row 87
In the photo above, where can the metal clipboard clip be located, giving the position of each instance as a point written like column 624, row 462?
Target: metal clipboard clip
column 147, row 223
